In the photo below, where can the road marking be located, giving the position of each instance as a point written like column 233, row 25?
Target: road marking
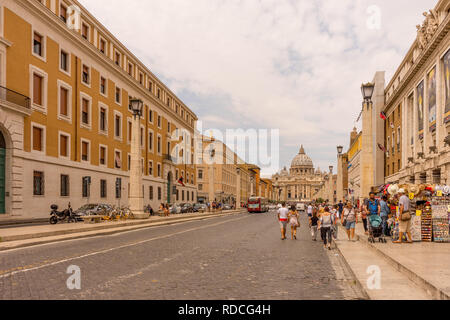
column 24, row 269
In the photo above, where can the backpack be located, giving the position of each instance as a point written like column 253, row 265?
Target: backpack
column 373, row 207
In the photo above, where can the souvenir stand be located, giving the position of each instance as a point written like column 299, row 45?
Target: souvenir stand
column 430, row 211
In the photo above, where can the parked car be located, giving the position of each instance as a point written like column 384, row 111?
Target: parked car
column 187, row 208
column 227, row 207
column 175, row 209
column 200, row 207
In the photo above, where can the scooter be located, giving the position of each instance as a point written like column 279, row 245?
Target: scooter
column 61, row 216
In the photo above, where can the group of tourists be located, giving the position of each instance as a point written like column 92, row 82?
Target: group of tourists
column 324, row 218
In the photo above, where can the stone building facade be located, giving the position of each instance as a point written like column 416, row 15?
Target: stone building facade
column 418, row 106
column 301, row 183
column 65, row 120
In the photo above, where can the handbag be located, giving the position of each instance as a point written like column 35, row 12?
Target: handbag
column 344, row 223
column 406, row 216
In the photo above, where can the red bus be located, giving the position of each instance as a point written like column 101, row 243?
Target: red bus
column 258, row 205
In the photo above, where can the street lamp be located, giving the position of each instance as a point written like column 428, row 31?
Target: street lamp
column 136, row 106
column 238, row 188
column 340, row 149
column 136, row 198
column 367, row 91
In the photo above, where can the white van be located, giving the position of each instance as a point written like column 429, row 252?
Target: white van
column 301, row 207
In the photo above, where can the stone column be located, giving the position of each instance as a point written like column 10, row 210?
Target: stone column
column 136, row 199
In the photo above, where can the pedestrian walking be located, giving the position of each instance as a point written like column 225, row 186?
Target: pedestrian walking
column 364, row 216
column 313, row 224
column 283, row 215
column 334, row 228
column 384, row 214
column 349, row 220
column 326, row 222
column 310, row 210
column 404, row 217
column 294, row 222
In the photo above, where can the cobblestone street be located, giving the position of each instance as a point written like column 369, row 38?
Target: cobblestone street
column 235, row 257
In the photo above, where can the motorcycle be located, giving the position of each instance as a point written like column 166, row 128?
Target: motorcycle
column 61, row 216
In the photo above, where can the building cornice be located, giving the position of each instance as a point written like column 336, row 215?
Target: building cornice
column 439, row 35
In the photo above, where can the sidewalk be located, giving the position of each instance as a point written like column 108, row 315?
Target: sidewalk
column 426, row 265
column 26, row 236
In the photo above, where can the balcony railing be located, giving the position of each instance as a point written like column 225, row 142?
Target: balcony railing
column 14, row 97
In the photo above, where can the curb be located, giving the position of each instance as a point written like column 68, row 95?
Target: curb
column 350, row 270
column 428, row 287
column 42, row 238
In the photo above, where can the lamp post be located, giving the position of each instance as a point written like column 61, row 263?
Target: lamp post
column 136, row 199
column 238, row 188
column 367, row 161
column 212, row 154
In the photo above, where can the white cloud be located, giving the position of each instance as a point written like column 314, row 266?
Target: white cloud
column 293, row 65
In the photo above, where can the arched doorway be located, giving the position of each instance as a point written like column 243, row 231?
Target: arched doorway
column 169, row 187
column 2, row 173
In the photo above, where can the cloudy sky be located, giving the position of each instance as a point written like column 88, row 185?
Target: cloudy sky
column 292, row 65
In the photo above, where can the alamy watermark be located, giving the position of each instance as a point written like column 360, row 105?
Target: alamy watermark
column 74, row 280
column 374, row 279
column 214, row 146
column 374, row 20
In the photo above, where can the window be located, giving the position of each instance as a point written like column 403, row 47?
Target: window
column 102, row 156
column 85, row 31
column 141, row 78
column 158, row 93
column 38, row 139
column 64, row 145
column 63, row 13
column 118, row 95
column 38, row 89
column 150, row 116
column 103, row 85
column 63, row 101
column 130, row 69
column 159, row 170
column 150, row 168
column 118, row 58
column 200, row 187
column 103, row 189
column 85, row 151
column 168, row 126
column 150, row 141
column 142, row 137
column 187, row 195
column 130, row 131
column 150, row 86
column 86, row 187
column 85, row 106
column 103, row 119
column 182, row 195
column 102, row 46
column 64, row 63
column 168, row 102
column 159, row 193
column 118, row 188
column 38, row 183
column 118, row 160
column 118, row 126
column 38, row 45
column 129, row 162
column 150, row 192
column 159, row 145
column 86, row 75
column 65, row 186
